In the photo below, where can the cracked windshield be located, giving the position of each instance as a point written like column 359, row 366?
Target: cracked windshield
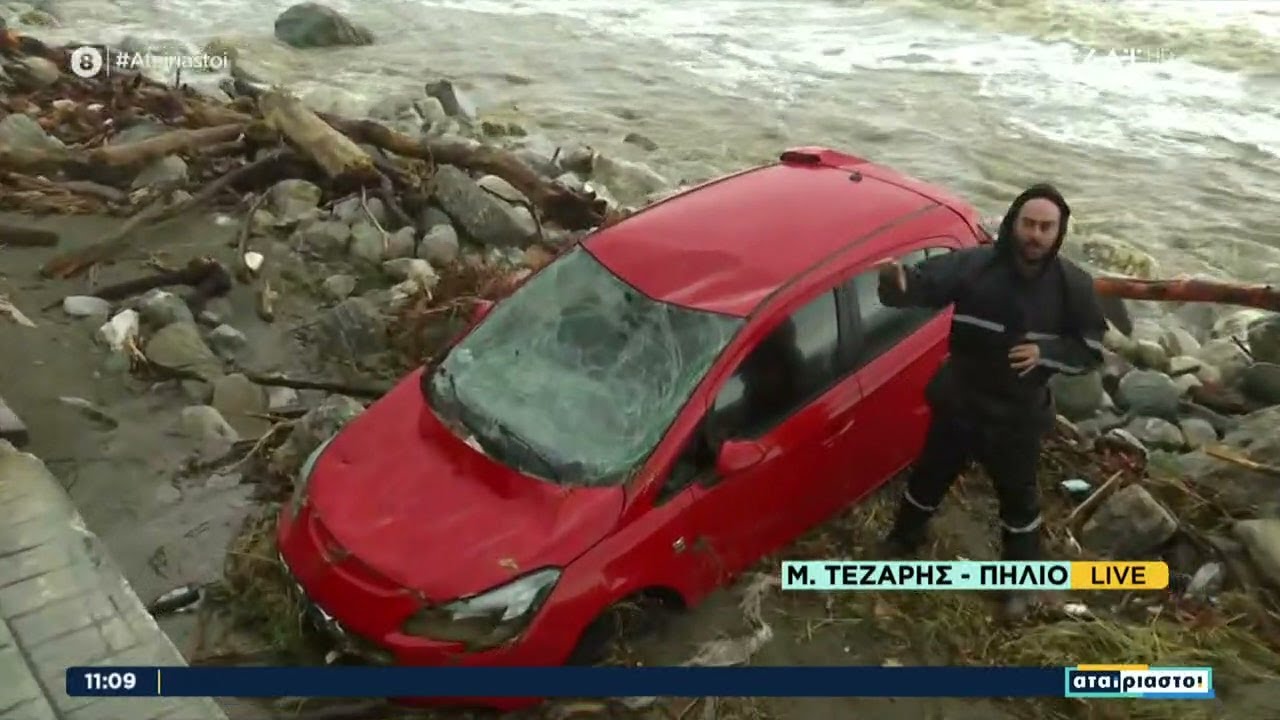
column 611, row 366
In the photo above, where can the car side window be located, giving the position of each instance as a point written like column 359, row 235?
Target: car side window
column 794, row 363
column 882, row 326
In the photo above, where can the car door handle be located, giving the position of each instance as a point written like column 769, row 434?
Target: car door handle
column 840, row 430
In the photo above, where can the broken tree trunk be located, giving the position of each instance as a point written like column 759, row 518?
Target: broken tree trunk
column 1264, row 297
column 342, row 160
column 154, row 148
column 567, row 208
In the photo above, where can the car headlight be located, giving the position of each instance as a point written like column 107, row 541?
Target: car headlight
column 489, row 619
column 304, row 476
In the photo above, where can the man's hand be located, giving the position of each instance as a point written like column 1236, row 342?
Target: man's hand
column 1024, row 358
column 893, row 275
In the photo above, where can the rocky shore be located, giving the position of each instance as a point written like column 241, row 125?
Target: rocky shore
column 292, row 297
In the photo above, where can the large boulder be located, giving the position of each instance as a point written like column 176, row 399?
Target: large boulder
column 310, row 24
column 1240, row 490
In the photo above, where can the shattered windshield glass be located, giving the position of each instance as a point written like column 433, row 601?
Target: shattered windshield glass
column 576, row 376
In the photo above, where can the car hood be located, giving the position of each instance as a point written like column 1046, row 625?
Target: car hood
column 416, row 504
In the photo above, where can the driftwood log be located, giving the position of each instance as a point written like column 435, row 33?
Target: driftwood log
column 342, row 161
column 563, row 206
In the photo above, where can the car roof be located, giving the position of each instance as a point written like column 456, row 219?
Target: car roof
column 728, row 245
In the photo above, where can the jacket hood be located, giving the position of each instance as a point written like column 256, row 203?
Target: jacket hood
column 1004, row 239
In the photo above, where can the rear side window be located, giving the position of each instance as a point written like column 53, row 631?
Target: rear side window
column 797, row 361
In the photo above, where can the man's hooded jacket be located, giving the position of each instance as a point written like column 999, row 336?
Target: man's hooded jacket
column 997, row 307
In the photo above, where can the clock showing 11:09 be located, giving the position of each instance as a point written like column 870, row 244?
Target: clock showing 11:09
column 108, row 681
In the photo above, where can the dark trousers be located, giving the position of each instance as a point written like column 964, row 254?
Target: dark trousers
column 1009, row 455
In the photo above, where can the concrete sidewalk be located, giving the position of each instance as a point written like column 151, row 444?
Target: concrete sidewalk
column 63, row 603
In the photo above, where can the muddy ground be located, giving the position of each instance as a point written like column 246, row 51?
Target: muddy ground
column 167, row 530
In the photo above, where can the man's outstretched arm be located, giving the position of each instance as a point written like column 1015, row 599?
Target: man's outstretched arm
column 932, row 283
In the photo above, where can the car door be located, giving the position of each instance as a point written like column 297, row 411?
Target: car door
column 735, row 520
column 898, row 350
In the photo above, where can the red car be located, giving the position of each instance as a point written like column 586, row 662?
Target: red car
column 680, row 395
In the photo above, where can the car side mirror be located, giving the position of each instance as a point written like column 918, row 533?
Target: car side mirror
column 738, row 455
column 481, row 309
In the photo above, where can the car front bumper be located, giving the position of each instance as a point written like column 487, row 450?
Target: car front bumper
column 325, row 594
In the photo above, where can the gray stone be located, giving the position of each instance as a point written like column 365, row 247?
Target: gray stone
column 1264, row 340
column 294, row 200
column 452, row 100
column 1239, row 491
column 1238, row 323
column 1222, row 424
column 1262, row 539
column 281, row 398
column 431, row 110
column 571, row 180
column 309, row 24
column 628, row 181
column 213, row 434
column 227, row 341
column 482, row 216
column 159, row 308
column 1183, row 365
column 1129, row 524
column 415, row 269
column 1197, row 432
column 1149, row 354
column 401, row 243
column 368, row 244
column 339, row 287
column 578, row 159
column 440, row 246
column 1177, row 341
column 217, row 311
column 240, row 401
column 502, row 189
column 540, row 162
column 166, row 172
column 83, row 306
column 21, row 132
column 356, row 209
column 354, row 328
column 323, row 239
column 431, row 216
column 1156, row 433
column 1186, row 383
column 1209, row 374
column 1149, row 393
column 640, row 141
column 178, row 346
column 34, row 73
column 1078, row 397
column 1227, row 356
column 317, row 425
column 1261, row 381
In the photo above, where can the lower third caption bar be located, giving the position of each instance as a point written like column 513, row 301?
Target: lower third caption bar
column 971, row 575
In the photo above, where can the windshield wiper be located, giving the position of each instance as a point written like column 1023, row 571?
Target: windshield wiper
column 553, row 472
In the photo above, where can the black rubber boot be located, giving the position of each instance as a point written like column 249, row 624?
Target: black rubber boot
column 1016, row 605
column 907, row 535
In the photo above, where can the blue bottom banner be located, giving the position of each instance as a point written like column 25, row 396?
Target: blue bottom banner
column 1091, row 681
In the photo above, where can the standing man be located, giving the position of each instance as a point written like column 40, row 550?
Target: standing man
column 1022, row 313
